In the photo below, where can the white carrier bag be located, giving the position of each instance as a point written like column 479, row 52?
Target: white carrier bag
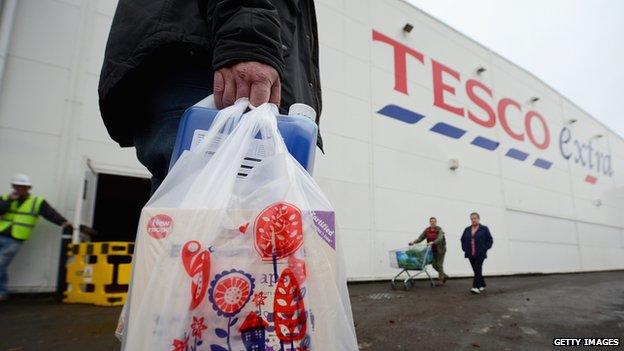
column 238, row 257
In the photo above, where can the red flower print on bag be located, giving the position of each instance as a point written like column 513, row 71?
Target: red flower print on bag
column 198, row 327
column 179, row 345
column 259, row 298
column 230, row 291
column 289, row 308
column 278, row 231
column 298, row 267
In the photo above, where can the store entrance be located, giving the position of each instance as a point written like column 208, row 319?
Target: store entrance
column 118, row 203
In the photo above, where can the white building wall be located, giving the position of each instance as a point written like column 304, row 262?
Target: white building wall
column 542, row 220
column 385, row 177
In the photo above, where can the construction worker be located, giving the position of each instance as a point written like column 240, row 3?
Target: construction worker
column 19, row 212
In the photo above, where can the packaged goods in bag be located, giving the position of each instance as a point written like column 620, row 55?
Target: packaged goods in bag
column 225, row 262
column 298, row 130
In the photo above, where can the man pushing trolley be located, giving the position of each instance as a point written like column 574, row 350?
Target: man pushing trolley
column 436, row 240
column 417, row 257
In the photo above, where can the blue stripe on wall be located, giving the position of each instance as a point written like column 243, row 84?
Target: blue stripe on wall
column 448, row 130
column 541, row 163
column 485, row 143
column 517, row 154
column 411, row 117
column 404, row 115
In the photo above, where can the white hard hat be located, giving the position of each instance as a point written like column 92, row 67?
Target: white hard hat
column 21, row 179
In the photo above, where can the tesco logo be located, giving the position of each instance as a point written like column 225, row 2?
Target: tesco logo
column 445, row 82
column 533, row 128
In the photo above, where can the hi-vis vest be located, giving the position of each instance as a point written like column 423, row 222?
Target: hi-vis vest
column 21, row 219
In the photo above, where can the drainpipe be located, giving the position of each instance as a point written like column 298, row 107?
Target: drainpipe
column 6, row 27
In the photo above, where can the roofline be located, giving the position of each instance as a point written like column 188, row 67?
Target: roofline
column 563, row 96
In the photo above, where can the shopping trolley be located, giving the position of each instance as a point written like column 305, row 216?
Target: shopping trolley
column 414, row 258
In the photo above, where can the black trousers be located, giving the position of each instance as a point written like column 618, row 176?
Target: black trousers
column 477, row 268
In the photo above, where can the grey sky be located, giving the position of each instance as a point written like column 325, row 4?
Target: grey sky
column 575, row 46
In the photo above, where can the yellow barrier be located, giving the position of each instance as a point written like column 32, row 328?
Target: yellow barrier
column 98, row 273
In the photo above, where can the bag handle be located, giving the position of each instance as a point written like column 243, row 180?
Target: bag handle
column 268, row 126
column 214, row 185
column 223, row 123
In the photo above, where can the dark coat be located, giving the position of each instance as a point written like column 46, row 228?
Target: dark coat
column 281, row 33
column 483, row 242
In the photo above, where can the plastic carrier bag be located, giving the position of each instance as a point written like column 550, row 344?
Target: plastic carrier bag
column 232, row 258
column 415, row 257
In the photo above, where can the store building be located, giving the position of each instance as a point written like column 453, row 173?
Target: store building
column 416, row 124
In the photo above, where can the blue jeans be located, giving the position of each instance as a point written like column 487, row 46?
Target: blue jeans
column 166, row 92
column 8, row 249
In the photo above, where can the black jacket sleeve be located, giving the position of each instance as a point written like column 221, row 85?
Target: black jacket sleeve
column 4, row 206
column 246, row 30
column 421, row 237
column 464, row 241
column 488, row 239
column 50, row 214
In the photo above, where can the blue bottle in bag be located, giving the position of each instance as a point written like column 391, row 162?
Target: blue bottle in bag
column 297, row 128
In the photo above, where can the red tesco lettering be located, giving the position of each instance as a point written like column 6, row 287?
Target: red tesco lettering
column 472, row 95
column 439, row 87
column 445, row 80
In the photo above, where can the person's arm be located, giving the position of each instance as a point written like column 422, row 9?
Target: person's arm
column 488, row 239
column 52, row 215
column 247, row 51
column 420, row 238
column 4, row 206
column 464, row 241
